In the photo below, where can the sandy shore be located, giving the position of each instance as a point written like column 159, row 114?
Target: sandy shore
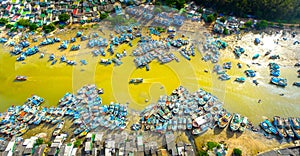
column 249, row 142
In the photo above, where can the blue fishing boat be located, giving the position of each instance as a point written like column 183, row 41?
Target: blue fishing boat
column 3, row 40
column 296, row 84
column 224, row 77
column 42, row 55
column 255, row 56
column 53, row 62
column 51, row 57
column 240, row 79
column 73, row 40
column 56, row 39
column 74, row 47
column 83, row 62
column 244, row 124
column 63, row 58
column 64, row 45
column 282, row 82
column 79, row 34
column 268, row 127
column 250, row 73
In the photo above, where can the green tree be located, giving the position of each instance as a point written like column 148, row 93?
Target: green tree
column 77, row 143
column 203, row 153
column 23, row 22
column 249, row 23
column 3, row 21
column 64, row 17
column 39, row 141
column 200, row 10
column 8, row 26
column 237, row 152
column 157, row 10
column 263, row 24
column 103, row 15
column 211, row 145
column 210, row 18
column 226, row 31
column 33, row 26
column 223, row 19
column 49, row 28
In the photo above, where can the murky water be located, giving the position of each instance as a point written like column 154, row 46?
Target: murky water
column 53, row 81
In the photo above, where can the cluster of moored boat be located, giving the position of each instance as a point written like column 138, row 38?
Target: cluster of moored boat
column 288, row 128
column 180, row 111
column 235, row 121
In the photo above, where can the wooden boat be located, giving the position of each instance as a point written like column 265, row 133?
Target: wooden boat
column 21, row 78
column 224, row 120
column 278, row 123
column 235, row 122
column 288, row 128
column 244, row 124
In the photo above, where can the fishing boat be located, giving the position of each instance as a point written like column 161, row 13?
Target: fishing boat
column 295, row 127
column 250, row 73
column 243, row 124
column 296, row 84
column 74, row 47
column 282, row 82
column 189, row 125
column 53, row 62
column 105, row 61
column 278, row 123
column 235, row 122
column 136, row 80
column 268, row 127
column 174, row 125
column 240, row 79
column 288, row 128
column 200, row 130
column 255, row 56
column 224, row 120
column 21, row 78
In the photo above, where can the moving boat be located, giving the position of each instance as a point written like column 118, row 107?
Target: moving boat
column 268, row 127
column 235, row 122
column 21, row 78
column 136, row 80
column 278, row 123
column 224, row 120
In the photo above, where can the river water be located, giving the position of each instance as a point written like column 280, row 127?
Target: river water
column 53, row 81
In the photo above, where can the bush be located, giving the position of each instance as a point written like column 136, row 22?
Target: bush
column 3, row 21
column 33, row 26
column 64, row 17
column 211, row 145
column 237, row 152
column 23, row 22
